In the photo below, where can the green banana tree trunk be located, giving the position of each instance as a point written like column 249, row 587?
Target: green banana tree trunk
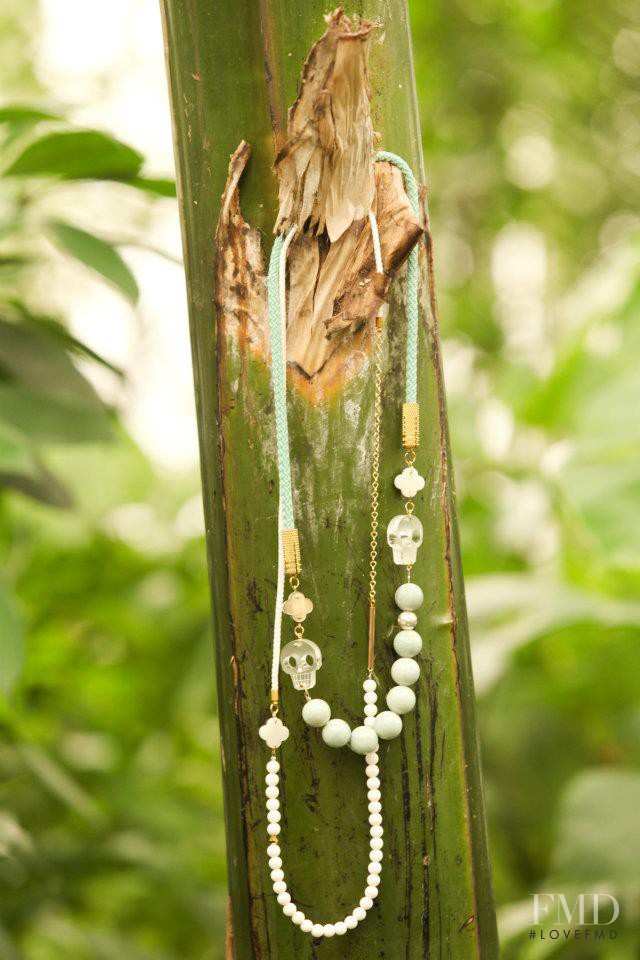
column 234, row 69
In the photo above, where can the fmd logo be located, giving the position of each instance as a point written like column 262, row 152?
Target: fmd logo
column 589, row 909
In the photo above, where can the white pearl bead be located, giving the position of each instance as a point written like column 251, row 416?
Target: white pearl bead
column 359, row 913
column 375, row 856
column 373, row 783
column 388, row 724
column 370, row 709
column 272, row 779
column 401, row 700
column 372, row 757
column 371, row 696
column 350, row 922
column 272, row 793
column 374, row 867
column 316, row 712
column 376, row 832
column 373, row 880
column 369, row 684
column 307, row 925
column 407, row 620
column 317, row 930
column 366, row 903
column 273, row 766
column 369, row 722
column 298, row 916
column 284, row 898
column 273, row 829
column 289, row 909
column 376, row 843
column 363, row 740
column 374, row 795
column 273, row 804
column 329, row 930
column 275, row 863
column 405, row 671
column 375, row 806
column 372, row 770
column 280, row 887
column 407, row 643
column 274, row 816
column 277, row 874
column 409, row 596
column 341, row 928
column 375, row 819
column 336, row 733
column 273, row 850
column 371, row 892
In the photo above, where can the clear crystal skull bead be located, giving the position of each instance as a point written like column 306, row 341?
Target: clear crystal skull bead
column 404, row 536
column 301, row 659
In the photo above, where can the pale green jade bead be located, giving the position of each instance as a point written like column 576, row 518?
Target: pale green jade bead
column 407, row 643
column 405, row 672
column 363, row 740
column 388, row 725
column 316, row 712
column 401, row 700
column 409, row 596
column 336, row 733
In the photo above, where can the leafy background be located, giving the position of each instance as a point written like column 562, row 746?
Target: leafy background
column 111, row 834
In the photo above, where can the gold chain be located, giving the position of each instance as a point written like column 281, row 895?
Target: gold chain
column 375, row 484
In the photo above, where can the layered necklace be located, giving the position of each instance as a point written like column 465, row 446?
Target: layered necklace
column 301, row 658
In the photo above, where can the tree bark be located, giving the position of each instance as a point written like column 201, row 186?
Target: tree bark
column 234, row 68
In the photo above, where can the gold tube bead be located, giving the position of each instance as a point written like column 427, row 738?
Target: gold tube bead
column 410, row 425
column 291, row 551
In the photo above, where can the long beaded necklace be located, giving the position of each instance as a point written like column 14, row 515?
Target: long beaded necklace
column 301, row 658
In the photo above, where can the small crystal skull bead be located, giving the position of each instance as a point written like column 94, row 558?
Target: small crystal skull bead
column 404, row 536
column 301, row 659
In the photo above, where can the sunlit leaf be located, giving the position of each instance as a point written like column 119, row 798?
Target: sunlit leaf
column 158, row 185
column 20, row 114
column 11, row 641
column 45, row 418
column 97, row 254
column 77, row 155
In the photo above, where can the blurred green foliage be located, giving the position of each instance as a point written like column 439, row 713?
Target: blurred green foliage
column 111, row 833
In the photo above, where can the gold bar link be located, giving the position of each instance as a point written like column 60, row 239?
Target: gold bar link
column 371, row 650
column 291, row 550
column 410, row 425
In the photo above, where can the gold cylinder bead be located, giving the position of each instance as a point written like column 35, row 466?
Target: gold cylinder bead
column 291, row 550
column 410, row 425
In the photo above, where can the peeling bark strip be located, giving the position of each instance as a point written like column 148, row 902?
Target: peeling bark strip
column 325, row 169
column 328, row 181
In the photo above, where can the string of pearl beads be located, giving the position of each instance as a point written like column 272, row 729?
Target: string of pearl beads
column 374, row 869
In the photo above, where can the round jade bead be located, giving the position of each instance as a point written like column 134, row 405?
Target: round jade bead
column 363, row 740
column 405, row 671
column 316, row 712
column 401, row 700
column 409, row 596
column 407, row 643
column 336, row 733
column 388, row 725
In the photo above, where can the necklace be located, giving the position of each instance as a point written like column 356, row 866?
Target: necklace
column 301, row 658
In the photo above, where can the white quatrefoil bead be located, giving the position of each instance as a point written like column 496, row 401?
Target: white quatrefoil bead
column 297, row 606
column 363, row 740
column 274, row 733
column 388, row 725
column 409, row 596
column 409, row 482
column 401, row 700
column 316, row 712
column 336, row 733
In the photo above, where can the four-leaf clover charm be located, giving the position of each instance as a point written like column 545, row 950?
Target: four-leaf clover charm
column 274, row 732
column 409, row 482
column 297, row 606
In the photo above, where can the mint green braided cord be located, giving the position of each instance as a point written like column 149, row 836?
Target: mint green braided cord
column 279, row 379
column 413, row 316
